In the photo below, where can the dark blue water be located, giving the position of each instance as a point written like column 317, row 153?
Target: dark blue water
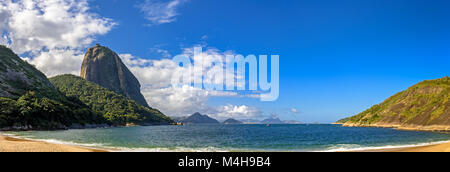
column 239, row 138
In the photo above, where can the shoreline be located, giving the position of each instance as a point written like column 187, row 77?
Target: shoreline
column 10, row 143
column 14, row 144
column 432, row 128
column 438, row 147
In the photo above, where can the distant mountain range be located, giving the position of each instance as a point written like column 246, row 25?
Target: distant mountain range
column 198, row 118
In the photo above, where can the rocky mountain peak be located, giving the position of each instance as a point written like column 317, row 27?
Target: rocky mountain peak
column 104, row 67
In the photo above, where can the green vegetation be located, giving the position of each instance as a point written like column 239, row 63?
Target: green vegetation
column 33, row 112
column 426, row 103
column 342, row 121
column 18, row 77
column 114, row 107
column 29, row 101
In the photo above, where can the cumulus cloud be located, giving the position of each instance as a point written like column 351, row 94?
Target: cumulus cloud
column 51, row 33
column 294, row 110
column 177, row 101
column 237, row 112
column 161, row 12
column 151, row 73
column 58, row 61
column 183, row 101
column 159, row 73
column 156, row 79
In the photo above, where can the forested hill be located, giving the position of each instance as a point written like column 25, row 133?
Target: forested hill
column 424, row 106
column 114, row 107
column 28, row 101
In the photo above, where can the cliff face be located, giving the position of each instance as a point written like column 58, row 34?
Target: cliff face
column 424, row 106
column 105, row 68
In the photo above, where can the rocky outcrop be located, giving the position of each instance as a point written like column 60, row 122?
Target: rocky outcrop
column 424, row 106
column 105, row 68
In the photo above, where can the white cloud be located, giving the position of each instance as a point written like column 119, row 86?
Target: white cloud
column 151, row 73
column 237, row 112
column 52, row 33
column 161, row 12
column 164, row 53
column 294, row 110
column 156, row 80
column 57, row 61
column 177, row 101
column 158, row 73
column 183, row 101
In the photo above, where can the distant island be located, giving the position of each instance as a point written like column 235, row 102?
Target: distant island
column 272, row 121
column 196, row 118
column 232, row 121
column 424, row 106
column 275, row 120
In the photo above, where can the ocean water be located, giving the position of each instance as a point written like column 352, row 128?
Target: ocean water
column 238, row 138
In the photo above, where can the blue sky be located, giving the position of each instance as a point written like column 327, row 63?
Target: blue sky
column 337, row 57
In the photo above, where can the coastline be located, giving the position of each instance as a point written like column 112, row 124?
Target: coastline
column 12, row 144
column 432, row 128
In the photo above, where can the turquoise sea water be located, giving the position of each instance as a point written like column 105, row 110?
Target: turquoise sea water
column 239, row 138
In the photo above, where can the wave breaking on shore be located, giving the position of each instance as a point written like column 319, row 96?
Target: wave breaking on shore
column 332, row 148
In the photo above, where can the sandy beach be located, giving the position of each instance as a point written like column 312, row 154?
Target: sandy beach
column 444, row 147
column 10, row 144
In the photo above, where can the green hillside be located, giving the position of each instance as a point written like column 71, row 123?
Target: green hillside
column 28, row 101
column 115, row 108
column 423, row 105
column 18, row 77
